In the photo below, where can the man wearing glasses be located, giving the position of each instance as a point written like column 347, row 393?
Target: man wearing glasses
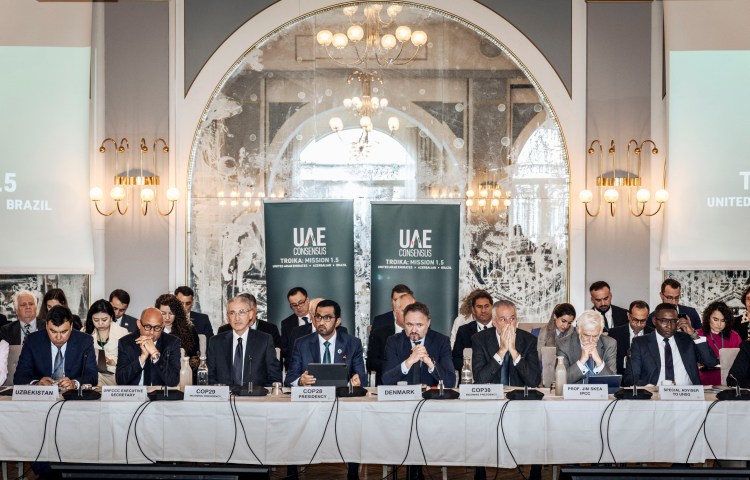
column 300, row 305
column 243, row 355
column 149, row 356
column 668, row 356
column 624, row 334
column 671, row 291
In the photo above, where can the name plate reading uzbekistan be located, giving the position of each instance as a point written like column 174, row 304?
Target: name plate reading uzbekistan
column 313, row 394
column 490, row 391
column 681, row 392
column 36, row 393
column 399, row 392
column 123, row 393
column 585, row 392
column 203, row 393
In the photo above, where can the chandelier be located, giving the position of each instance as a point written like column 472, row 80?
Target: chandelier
column 489, row 193
column 124, row 184
column 366, row 38
column 632, row 182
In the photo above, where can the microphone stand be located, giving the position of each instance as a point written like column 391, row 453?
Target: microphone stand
column 80, row 393
column 441, row 393
column 735, row 394
column 164, row 394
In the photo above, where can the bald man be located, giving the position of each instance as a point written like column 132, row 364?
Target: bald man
column 148, row 356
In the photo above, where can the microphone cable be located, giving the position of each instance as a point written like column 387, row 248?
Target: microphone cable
column 135, row 432
column 22, row 475
column 609, row 421
column 502, row 429
column 57, row 420
column 335, row 429
column 127, row 435
column 234, row 419
column 328, row 421
column 416, row 429
column 703, row 427
column 233, row 404
column 601, row 432
column 408, row 445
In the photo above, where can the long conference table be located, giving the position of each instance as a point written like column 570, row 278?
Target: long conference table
column 363, row 430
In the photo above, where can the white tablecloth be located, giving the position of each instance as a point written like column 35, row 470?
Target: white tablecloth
column 456, row 432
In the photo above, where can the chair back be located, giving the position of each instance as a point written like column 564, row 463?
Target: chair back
column 548, row 365
column 14, row 352
column 726, row 359
column 529, row 326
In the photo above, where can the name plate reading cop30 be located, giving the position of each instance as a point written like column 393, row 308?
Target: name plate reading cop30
column 313, row 394
column 399, row 392
column 585, row 392
column 490, row 391
column 204, row 393
column 36, row 393
column 681, row 392
column 123, row 393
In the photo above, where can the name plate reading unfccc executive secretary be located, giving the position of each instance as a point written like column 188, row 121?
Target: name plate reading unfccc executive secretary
column 313, row 394
column 124, row 393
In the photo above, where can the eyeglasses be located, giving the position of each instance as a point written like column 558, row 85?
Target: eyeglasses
column 241, row 313
column 638, row 320
column 155, row 328
column 666, row 321
column 298, row 304
column 671, row 298
column 325, row 318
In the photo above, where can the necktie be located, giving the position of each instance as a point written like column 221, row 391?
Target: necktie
column 306, row 320
column 147, row 372
column 505, row 369
column 590, row 365
column 26, row 332
column 237, row 365
column 668, row 364
column 416, row 369
column 326, row 352
column 58, row 370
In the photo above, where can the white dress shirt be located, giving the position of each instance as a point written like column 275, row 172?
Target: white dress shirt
column 331, row 350
column 301, row 320
column 404, row 369
column 633, row 334
column 681, row 376
column 32, row 329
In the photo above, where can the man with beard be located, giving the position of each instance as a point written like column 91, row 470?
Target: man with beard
column 481, row 314
column 601, row 298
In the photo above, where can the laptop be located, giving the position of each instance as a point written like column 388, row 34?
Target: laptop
column 329, row 374
column 612, row 381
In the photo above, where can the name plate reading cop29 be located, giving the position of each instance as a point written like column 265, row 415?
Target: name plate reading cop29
column 681, row 392
column 313, row 394
column 490, row 391
column 585, row 392
column 203, row 393
column 36, row 393
column 399, row 392
column 123, row 393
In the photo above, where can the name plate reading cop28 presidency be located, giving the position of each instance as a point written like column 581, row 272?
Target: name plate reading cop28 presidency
column 203, row 393
column 681, row 392
column 490, row 391
column 123, row 393
column 399, row 392
column 36, row 393
column 313, row 394
column 585, row 392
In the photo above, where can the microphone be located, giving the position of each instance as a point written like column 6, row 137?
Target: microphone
column 441, row 393
column 736, row 394
column 80, row 393
column 736, row 384
column 251, row 390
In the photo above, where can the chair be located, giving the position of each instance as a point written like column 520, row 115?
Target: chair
column 202, row 343
column 548, row 365
column 529, row 326
column 13, row 353
column 726, row 360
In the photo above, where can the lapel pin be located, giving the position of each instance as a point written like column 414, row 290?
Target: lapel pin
column 339, row 351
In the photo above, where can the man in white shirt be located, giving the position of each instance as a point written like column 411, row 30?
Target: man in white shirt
column 624, row 334
column 601, row 298
column 481, row 314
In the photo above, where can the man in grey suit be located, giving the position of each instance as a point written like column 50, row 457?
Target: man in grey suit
column 586, row 352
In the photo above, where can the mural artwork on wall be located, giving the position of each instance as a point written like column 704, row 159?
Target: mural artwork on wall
column 701, row 287
column 76, row 288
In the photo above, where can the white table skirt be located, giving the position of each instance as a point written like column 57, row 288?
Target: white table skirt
column 452, row 433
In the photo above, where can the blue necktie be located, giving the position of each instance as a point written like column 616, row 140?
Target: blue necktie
column 58, row 370
column 326, row 352
column 505, row 369
column 590, row 365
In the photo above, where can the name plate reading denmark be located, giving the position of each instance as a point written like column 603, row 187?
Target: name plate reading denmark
column 203, row 393
column 124, row 393
column 681, row 392
column 36, row 393
column 313, row 394
column 399, row 392
column 490, row 391
column 585, row 392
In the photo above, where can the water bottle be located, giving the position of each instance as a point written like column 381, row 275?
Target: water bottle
column 467, row 376
column 561, row 375
column 186, row 373
column 203, row 372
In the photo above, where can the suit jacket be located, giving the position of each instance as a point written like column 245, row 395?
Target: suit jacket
column 741, row 367
column 260, row 363
column 621, row 335
column 528, row 372
column 376, row 350
column 164, row 372
column 202, row 324
column 645, row 361
column 383, row 320
column 297, row 333
column 740, row 328
column 695, row 319
column 11, row 332
column 619, row 316
column 3, row 320
column 398, row 348
column 128, row 323
column 348, row 350
column 35, row 361
column 262, row 326
column 570, row 349
column 463, row 340
column 287, row 342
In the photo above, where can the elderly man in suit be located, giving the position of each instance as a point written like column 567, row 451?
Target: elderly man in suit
column 379, row 336
column 257, row 324
column 57, row 354
column 586, row 352
column 388, row 318
column 624, row 334
column 25, row 304
column 669, row 355
column 242, row 356
column 149, row 356
column 120, row 300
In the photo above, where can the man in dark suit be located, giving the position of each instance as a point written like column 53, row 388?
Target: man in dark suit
column 586, row 352
column 379, row 336
column 148, row 357
column 57, row 354
column 200, row 320
column 388, row 318
column 418, row 355
column 120, row 299
column 670, row 293
column 601, row 298
column 300, row 305
column 243, row 355
column 670, row 354
column 624, row 334
column 504, row 354
column 3, row 320
column 307, row 329
column 257, row 324
column 481, row 314
column 15, row 333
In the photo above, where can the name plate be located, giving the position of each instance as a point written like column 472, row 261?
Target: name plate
column 36, row 393
column 124, row 393
column 585, row 392
column 681, row 392
column 399, row 392
column 313, row 394
column 204, row 393
column 490, row 391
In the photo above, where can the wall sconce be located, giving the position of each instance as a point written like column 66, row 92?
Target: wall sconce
column 609, row 186
column 124, row 184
